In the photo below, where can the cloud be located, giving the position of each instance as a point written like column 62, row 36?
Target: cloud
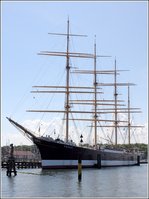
column 55, row 129
column 16, row 138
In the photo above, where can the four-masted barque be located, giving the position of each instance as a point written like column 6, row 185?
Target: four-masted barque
column 64, row 153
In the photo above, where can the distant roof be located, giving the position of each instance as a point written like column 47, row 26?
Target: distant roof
column 23, row 153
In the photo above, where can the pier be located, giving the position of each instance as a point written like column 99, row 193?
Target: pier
column 23, row 165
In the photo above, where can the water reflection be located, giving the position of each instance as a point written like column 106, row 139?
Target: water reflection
column 79, row 189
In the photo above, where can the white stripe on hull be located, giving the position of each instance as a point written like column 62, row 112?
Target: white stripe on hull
column 67, row 162
column 117, row 162
column 85, row 163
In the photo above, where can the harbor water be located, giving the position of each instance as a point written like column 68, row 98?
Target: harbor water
column 106, row 182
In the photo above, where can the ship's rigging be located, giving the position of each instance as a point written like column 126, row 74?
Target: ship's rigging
column 100, row 106
column 95, row 90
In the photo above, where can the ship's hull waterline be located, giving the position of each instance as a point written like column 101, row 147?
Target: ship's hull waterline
column 61, row 155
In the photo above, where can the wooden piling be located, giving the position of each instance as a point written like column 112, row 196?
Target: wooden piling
column 99, row 161
column 138, row 160
column 11, row 167
column 11, row 163
column 79, row 169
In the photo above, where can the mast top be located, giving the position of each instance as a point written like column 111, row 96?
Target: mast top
column 66, row 34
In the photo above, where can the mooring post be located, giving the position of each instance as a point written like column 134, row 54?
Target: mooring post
column 138, row 160
column 99, row 161
column 11, row 163
column 79, row 169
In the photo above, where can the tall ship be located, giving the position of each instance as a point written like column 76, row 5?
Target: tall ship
column 97, row 113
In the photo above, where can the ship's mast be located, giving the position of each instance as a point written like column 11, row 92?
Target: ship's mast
column 95, row 95
column 67, row 106
column 115, row 99
column 128, row 115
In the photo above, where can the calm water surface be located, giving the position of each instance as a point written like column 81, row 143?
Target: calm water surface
column 106, row 182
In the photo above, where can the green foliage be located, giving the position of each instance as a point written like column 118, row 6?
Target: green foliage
column 140, row 146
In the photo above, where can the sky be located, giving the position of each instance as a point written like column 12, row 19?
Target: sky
column 121, row 32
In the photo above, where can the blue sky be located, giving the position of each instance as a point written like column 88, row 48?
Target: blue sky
column 120, row 29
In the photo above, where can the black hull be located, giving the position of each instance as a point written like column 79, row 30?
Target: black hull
column 62, row 155
column 59, row 154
